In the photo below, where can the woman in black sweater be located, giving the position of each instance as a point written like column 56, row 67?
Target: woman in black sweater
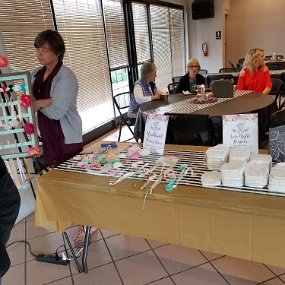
column 192, row 78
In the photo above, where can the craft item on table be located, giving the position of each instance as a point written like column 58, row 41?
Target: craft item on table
column 217, row 156
column 150, row 179
column 233, row 173
column 134, row 151
column 149, row 190
column 121, row 178
column 169, row 174
column 211, row 179
column 112, row 145
column 183, row 169
column 262, row 157
column 167, row 160
column 256, row 173
column 241, row 153
column 277, row 178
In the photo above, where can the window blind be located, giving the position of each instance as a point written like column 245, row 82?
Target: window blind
column 81, row 25
column 20, row 22
column 161, row 44
column 141, row 32
column 115, row 33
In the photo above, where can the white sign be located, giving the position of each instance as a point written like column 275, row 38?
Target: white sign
column 241, row 130
column 155, row 133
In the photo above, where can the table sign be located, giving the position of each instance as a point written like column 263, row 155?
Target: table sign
column 241, row 130
column 155, row 133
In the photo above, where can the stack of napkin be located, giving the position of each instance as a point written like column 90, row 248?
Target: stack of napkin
column 240, row 153
column 212, row 178
column 217, row 156
column 277, row 178
column 262, row 157
column 256, row 173
column 233, row 173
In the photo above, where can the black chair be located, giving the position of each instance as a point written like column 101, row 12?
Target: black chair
column 275, row 65
column 203, row 71
column 277, row 119
column 189, row 129
column 176, row 79
column 212, row 77
column 240, row 64
column 276, row 89
column 172, row 87
column 223, row 88
column 232, row 65
column 122, row 102
column 228, row 69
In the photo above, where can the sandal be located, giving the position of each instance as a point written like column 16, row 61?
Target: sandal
column 80, row 235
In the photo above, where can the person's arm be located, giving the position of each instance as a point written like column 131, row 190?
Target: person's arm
column 241, row 81
column 181, row 85
column 139, row 96
column 268, row 82
column 42, row 103
column 64, row 93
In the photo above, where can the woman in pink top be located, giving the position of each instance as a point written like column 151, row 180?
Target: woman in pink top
column 255, row 74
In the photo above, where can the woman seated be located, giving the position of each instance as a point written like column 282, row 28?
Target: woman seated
column 192, row 78
column 255, row 74
column 144, row 90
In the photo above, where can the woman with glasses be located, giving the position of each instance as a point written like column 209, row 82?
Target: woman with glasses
column 192, row 78
column 255, row 74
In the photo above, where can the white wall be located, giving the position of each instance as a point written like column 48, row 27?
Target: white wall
column 205, row 31
column 255, row 23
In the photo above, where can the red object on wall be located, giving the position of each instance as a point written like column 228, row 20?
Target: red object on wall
column 205, row 49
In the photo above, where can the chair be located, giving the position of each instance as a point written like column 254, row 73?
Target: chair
column 232, row 65
column 223, row 88
column 240, row 64
column 176, row 79
column 228, row 69
column 203, row 71
column 275, row 65
column 172, row 87
column 122, row 102
column 276, row 90
column 217, row 76
column 189, row 129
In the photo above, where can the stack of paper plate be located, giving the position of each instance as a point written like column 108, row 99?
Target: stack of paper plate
column 233, row 173
column 256, row 173
column 217, row 156
column 212, row 178
column 240, row 153
column 277, row 178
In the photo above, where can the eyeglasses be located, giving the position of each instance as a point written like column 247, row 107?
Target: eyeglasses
column 192, row 66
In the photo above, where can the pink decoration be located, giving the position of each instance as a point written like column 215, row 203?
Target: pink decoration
column 25, row 101
column 34, row 151
column 29, row 128
column 134, row 152
column 3, row 61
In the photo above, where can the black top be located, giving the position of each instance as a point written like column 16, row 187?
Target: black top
column 184, row 85
column 3, row 168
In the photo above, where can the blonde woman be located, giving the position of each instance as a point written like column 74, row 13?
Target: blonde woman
column 192, row 78
column 255, row 74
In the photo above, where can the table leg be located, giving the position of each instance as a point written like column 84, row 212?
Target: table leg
column 85, row 249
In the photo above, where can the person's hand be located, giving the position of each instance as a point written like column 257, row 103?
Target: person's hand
column 42, row 103
column 156, row 96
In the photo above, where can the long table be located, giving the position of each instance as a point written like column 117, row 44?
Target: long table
column 244, row 225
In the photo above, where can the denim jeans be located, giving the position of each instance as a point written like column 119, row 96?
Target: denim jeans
column 9, row 209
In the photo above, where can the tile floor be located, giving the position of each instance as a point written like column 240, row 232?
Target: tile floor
column 116, row 259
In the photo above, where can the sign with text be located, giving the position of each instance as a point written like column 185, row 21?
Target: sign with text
column 155, row 133
column 241, row 130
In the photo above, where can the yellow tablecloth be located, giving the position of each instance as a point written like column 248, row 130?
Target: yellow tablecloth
column 243, row 225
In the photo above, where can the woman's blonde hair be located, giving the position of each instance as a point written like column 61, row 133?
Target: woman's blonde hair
column 194, row 61
column 147, row 68
column 252, row 61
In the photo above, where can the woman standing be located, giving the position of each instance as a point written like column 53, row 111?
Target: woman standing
column 55, row 89
column 144, row 90
column 255, row 74
column 192, row 78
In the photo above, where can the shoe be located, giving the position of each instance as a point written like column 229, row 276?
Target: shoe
column 80, row 235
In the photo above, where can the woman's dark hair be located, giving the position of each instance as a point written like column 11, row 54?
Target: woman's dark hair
column 53, row 39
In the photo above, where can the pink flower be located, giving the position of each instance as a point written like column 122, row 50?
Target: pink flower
column 25, row 101
column 29, row 128
column 34, row 151
column 3, row 61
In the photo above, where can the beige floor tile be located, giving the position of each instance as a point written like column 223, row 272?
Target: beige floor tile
column 201, row 275
column 282, row 277
column 211, row 256
column 33, row 231
column 40, row 272
column 275, row 281
column 238, row 271
column 104, row 275
column 64, row 281
column 16, row 253
column 31, row 217
column 178, row 258
column 155, row 244
column 164, row 281
column 17, row 233
column 107, row 234
column 15, row 276
column 97, row 255
column 122, row 246
column 275, row 269
column 140, row 269
column 46, row 244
